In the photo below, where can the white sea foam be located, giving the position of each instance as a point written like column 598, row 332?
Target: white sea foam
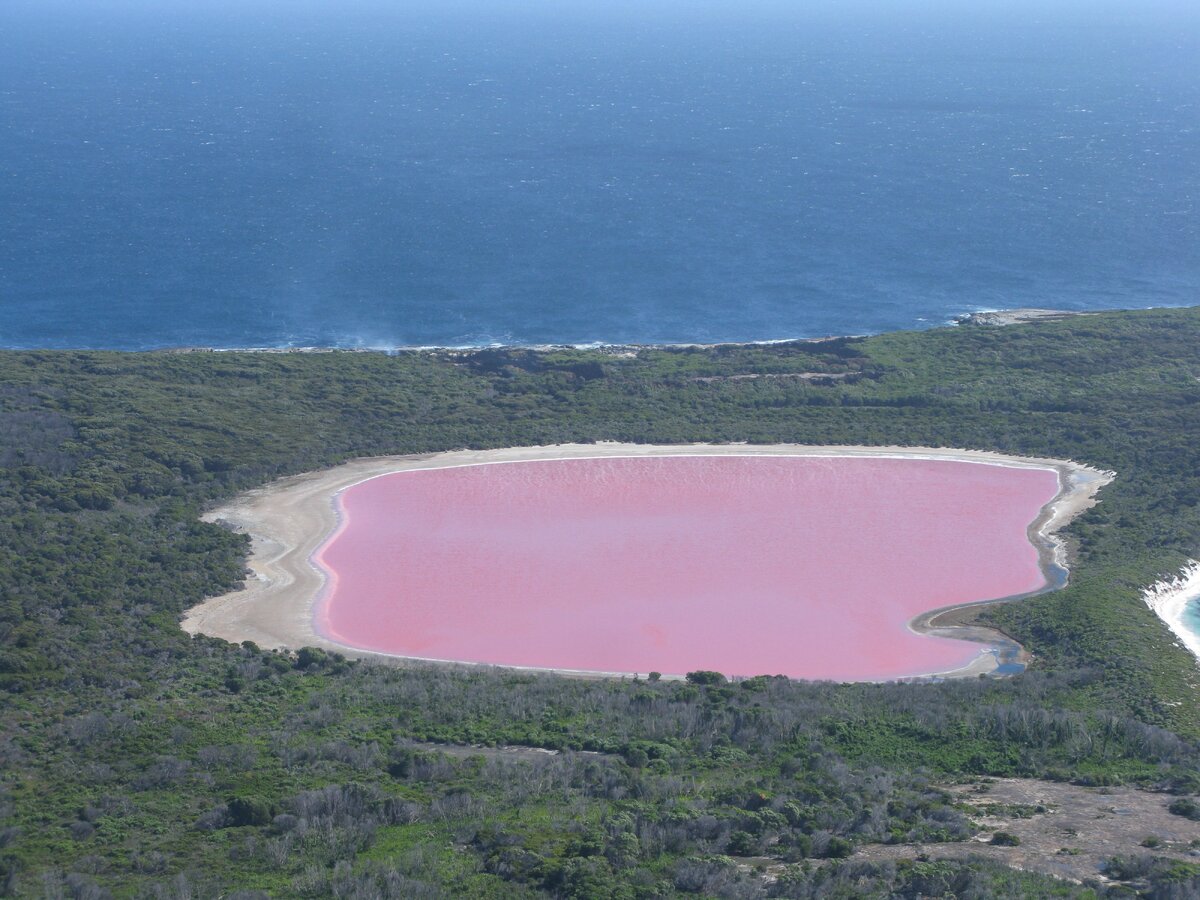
column 1169, row 600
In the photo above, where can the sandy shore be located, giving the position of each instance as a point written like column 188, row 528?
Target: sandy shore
column 1170, row 599
column 289, row 519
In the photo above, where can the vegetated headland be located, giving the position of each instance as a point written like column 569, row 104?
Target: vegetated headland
column 291, row 519
column 137, row 760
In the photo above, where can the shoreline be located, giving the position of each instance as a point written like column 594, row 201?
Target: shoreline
column 983, row 316
column 1169, row 600
column 582, row 346
column 988, row 317
column 1078, row 486
column 290, row 519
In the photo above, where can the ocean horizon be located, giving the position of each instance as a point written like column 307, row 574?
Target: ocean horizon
column 459, row 175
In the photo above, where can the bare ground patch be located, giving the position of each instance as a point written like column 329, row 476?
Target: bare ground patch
column 1064, row 830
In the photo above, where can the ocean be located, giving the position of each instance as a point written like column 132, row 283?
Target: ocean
column 295, row 174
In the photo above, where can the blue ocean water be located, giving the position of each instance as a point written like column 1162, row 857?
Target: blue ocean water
column 1191, row 617
column 270, row 174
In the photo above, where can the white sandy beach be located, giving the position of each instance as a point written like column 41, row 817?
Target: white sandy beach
column 289, row 519
column 1169, row 600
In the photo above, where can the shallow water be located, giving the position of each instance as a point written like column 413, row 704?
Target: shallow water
column 1191, row 617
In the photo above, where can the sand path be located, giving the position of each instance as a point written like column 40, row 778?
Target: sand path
column 289, row 519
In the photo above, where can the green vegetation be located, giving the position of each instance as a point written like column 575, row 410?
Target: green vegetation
column 135, row 761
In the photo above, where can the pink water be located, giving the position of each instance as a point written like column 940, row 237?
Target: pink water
column 801, row 566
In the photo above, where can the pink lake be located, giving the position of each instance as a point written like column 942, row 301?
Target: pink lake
column 810, row 567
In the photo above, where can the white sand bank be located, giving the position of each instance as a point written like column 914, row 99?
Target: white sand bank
column 1170, row 599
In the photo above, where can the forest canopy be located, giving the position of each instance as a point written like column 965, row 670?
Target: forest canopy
column 137, row 761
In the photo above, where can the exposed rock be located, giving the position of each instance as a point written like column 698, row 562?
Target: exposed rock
column 1017, row 316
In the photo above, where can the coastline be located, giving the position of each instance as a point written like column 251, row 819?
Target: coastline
column 980, row 317
column 582, row 346
column 1169, row 600
column 989, row 317
column 290, row 519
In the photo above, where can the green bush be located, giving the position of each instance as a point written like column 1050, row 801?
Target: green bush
column 248, row 811
column 1186, row 807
